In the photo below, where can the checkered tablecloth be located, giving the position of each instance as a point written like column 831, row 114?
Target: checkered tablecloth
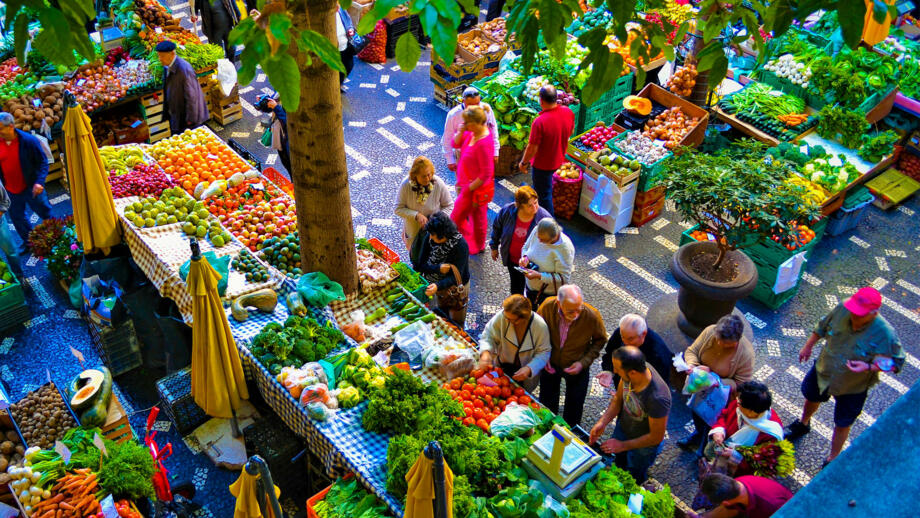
column 161, row 251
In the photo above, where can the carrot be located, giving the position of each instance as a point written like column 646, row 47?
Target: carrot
column 67, row 505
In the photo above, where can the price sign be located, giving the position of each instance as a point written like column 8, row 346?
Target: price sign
column 78, row 355
column 97, row 441
column 63, row 451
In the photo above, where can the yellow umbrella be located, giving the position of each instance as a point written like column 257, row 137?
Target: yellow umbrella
column 246, row 489
column 93, row 209
column 421, row 492
column 218, row 383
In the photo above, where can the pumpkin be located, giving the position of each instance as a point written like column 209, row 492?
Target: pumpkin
column 636, row 104
column 84, row 388
column 98, row 412
column 295, row 304
column 264, row 300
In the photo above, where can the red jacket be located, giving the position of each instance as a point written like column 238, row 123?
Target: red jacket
column 728, row 420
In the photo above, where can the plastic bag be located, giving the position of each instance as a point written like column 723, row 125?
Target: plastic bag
column 414, row 339
column 356, row 330
column 319, row 411
column 226, row 75
column 698, row 380
column 220, row 264
column 515, row 420
column 458, row 363
column 317, row 290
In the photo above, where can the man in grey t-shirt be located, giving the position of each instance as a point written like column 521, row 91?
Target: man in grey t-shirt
column 641, row 405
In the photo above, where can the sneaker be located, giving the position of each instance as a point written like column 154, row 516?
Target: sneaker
column 795, row 430
column 690, row 443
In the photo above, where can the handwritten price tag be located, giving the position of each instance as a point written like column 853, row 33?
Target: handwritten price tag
column 97, row 441
column 63, row 451
column 78, row 355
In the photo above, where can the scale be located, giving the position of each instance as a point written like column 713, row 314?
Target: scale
column 562, row 462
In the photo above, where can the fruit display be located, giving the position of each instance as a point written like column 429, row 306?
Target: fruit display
column 30, row 111
column 42, row 416
column 249, row 191
column 671, row 126
column 478, row 45
column 283, row 253
column 565, row 98
column 134, row 76
column 153, row 14
column 676, row 12
column 813, row 193
column 116, row 56
column 588, row 21
column 250, row 266
column 617, row 165
column 142, row 180
column 909, row 164
column 494, row 29
column 95, row 87
column 17, row 87
column 671, row 28
column 788, row 67
column 257, row 223
column 12, row 452
column 596, row 138
column 623, row 50
column 172, row 206
column 641, row 147
column 373, row 271
column 197, row 155
column 121, row 159
column 683, row 80
column 484, row 396
column 699, row 235
column 9, row 69
column 569, row 171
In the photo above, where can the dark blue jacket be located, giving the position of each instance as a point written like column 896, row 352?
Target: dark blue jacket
column 503, row 229
column 32, row 160
column 458, row 257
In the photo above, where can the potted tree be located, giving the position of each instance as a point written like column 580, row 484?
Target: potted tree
column 740, row 197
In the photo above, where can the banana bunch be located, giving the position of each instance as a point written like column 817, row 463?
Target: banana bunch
column 677, row 13
column 813, row 193
column 121, row 159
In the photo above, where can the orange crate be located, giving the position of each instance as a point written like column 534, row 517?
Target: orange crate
column 318, row 497
column 275, row 177
column 649, row 197
column 643, row 215
column 388, row 255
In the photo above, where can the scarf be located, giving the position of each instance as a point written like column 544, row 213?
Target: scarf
column 751, row 428
column 439, row 252
column 421, row 192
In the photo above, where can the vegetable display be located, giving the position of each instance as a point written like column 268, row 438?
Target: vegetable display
column 42, row 416
column 683, row 80
column 771, row 111
column 671, row 126
column 300, row 340
column 281, row 252
column 409, row 278
column 373, row 271
column 852, row 75
column 876, row 147
column 845, row 126
column 640, row 147
column 484, row 396
column 349, row 500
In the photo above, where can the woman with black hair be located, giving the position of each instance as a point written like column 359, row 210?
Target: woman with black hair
column 443, row 259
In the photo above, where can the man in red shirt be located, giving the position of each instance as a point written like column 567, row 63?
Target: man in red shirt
column 23, row 169
column 748, row 496
column 549, row 137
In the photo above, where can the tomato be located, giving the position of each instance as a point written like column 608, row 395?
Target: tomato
column 487, row 399
column 480, row 391
column 453, row 394
column 506, row 392
column 467, row 404
column 456, row 384
column 478, row 413
column 469, row 421
column 535, row 406
column 524, row 400
column 465, row 394
column 469, row 386
column 502, row 404
column 477, row 373
column 512, row 399
column 518, row 391
column 495, row 391
column 504, row 382
column 468, row 410
column 499, row 370
column 478, row 403
column 482, row 423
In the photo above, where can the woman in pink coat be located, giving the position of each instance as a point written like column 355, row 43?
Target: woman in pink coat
column 475, row 174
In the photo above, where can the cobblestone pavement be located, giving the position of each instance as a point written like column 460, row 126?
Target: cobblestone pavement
column 390, row 118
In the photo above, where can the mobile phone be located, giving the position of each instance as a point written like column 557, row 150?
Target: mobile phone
column 522, row 270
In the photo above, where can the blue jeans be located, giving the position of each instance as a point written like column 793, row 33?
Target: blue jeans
column 39, row 205
column 638, row 461
column 10, row 247
column 543, row 184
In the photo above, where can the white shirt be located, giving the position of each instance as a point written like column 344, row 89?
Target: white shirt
column 454, row 118
column 340, row 32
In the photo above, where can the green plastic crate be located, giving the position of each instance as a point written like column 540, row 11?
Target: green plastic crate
column 763, row 293
column 770, row 254
column 604, row 109
column 11, row 295
column 649, row 174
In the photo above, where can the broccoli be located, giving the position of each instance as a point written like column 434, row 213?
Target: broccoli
column 257, row 351
column 265, row 340
column 817, row 151
column 304, row 349
column 272, row 327
column 292, row 321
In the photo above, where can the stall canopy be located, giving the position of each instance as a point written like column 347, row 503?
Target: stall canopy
column 218, row 383
column 93, row 209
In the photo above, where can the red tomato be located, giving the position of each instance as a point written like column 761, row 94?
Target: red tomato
column 524, row 400
column 456, row 384
column 477, row 373
column 506, row 392
column 480, row 391
column 499, row 370
column 502, row 405
column 478, row 413
column 487, row 399
column 482, row 423
column 478, row 403
column 465, row 394
column 468, row 410
column 512, row 399
column 518, row 391
column 469, row 421
column 535, row 406
column 467, row 404
column 469, row 387
column 453, row 394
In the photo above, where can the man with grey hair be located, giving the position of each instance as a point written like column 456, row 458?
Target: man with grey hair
column 546, row 146
column 547, row 260
column 634, row 331
column 455, row 118
column 577, row 336
column 23, row 169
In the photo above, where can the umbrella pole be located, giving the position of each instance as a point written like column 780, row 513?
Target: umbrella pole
column 433, row 452
column 266, row 494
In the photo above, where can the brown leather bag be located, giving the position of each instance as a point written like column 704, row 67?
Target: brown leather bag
column 455, row 297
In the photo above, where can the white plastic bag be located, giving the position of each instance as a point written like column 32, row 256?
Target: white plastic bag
column 226, row 75
column 514, row 420
column 414, row 339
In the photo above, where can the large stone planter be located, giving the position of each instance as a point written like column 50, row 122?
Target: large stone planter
column 703, row 302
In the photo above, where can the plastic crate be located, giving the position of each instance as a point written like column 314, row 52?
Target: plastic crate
column 274, row 442
column 319, row 497
column 245, row 154
column 396, row 28
column 11, row 295
column 118, row 347
column 648, row 174
column 176, row 400
column 642, row 215
column 763, row 293
column 388, row 255
column 846, row 219
column 769, row 254
column 14, row 316
column 604, row 109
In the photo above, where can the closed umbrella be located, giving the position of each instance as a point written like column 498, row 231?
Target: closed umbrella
column 431, row 486
column 93, row 209
column 218, row 383
column 251, row 491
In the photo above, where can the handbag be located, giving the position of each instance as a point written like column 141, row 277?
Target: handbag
column 537, row 300
column 455, row 297
column 266, row 138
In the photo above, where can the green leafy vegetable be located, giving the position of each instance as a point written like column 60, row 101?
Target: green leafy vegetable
column 876, row 147
column 127, row 471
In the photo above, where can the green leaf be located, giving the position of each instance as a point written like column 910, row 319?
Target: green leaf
column 707, row 56
column 879, row 10
column 852, row 16
column 21, row 36
column 241, row 33
column 79, row 7
column 470, row 7
column 717, row 72
column 449, row 9
column 280, row 26
column 711, row 29
column 378, row 12
column 284, row 75
column 345, row 4
column 407, row 52
column 444, row 40
column 248, row 60
column 12, row 9
column 779, row 16
column 312, row 41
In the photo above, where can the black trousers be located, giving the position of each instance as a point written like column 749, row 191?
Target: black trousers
column 518, row 281
column 285, row 156
column 495, row 9
column 576, row 390
column 348, row 59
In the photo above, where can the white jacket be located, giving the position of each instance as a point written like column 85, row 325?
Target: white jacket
column 452, row 122
column 498, row 337
column 557, row 258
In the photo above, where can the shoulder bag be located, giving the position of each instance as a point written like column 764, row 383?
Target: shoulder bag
column 455, row 297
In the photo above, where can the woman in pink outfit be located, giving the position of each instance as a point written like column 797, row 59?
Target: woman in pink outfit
column 475, row 173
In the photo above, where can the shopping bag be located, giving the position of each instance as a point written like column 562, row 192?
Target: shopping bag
column 602, row 203
column 318, row 290
column 102, row 301
column 220, row 264
column 708, row 403
column 266, row 139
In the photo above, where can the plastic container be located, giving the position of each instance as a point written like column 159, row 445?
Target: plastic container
column 319, row 497
column 118, row 347
column 846, row 219
column 11, row 295
column 176, row 400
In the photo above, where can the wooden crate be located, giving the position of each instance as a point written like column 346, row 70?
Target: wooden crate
column 116, row 427
column 56, row 169
column 159, row 131
column 665, row 98
column 226, row 114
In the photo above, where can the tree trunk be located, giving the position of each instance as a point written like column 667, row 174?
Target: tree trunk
column 320, row 173
column 700, row 93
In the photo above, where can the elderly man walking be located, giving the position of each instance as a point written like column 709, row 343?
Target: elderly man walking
column 859, row 344
column 455, row 118
column 23, row 169
column 185, row 102
column 577, row 336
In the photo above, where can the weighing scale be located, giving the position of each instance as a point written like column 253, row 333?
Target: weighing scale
column 562, row 462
